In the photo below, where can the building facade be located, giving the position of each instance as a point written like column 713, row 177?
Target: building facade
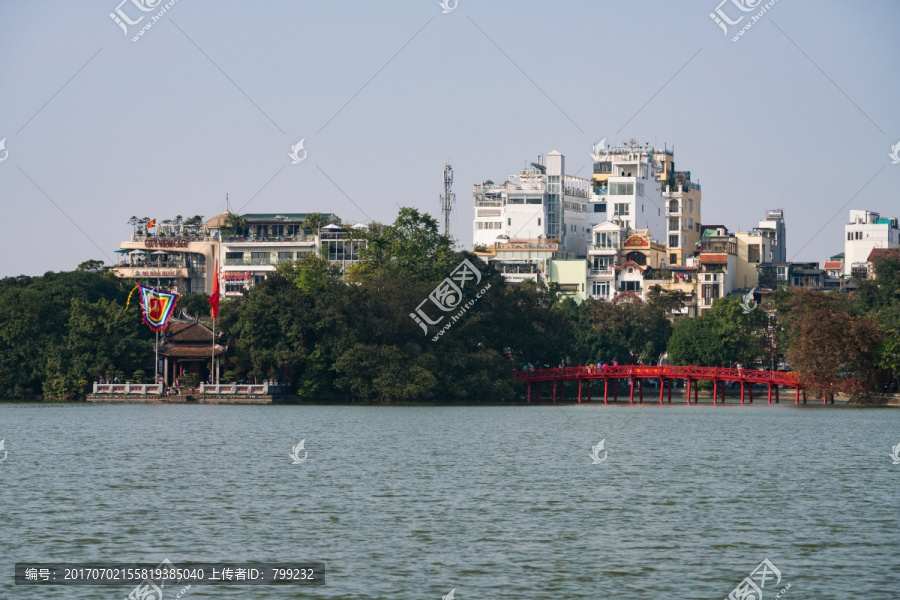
column 541, row 202
column 866, row 231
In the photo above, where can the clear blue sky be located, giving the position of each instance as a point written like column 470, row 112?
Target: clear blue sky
column 211, row 98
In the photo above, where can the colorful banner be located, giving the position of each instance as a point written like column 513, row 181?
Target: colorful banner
column 157, row 307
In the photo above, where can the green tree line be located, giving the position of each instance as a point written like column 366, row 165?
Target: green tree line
column 351, row 337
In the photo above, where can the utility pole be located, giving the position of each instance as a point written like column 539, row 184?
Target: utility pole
column 448, row 198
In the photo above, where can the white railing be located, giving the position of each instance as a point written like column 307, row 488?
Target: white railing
column 252, row 389
column 600, row 272
column 138, row 389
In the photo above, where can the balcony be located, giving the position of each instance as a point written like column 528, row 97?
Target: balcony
column 602, row 272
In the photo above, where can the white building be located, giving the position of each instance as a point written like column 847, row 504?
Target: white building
column 866, row 231
column 541, row 202
column 773, row 228
column 627, row 189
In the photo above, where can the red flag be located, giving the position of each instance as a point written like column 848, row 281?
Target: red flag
column 151, row 224
column 214, row 299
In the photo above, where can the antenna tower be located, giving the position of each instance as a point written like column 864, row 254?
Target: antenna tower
column 448, row 198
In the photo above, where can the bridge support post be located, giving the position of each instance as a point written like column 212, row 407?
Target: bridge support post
column 579, row 391
column 715, row 391
column 529, row 392
column 640, row 383
column 804, row 396
column 554, row 391
column 662, row 388
column 631, row 393
column 605, row 389
column 797, row 394
column 671, row 382
column 742, row 392
column 770, row 393
column 688, row 396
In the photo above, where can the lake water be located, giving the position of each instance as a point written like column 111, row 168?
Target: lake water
column 496, row 502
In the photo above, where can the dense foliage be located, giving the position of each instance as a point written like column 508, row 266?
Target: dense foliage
column 60, row 331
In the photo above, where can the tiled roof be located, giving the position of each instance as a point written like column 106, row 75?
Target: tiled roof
column 713, row 259
column 624, row 296
column 192, row 351
column 833, row 264
column 192, row 331
column 630, row 263
column 882, row 253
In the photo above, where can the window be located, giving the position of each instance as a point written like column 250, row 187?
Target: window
column 640, row 189
column 674, row 225
column 673, row 206
column 509, row 221
column 630, row 286
column 285, row 256
column 621, row 189
column 690, row 205
column 673, row 241
column 673, row 258
column 753, row 253
column 260, row 258
column 690, row 224
column 621, row 209
column 600, row 207
column 489, row 225
column 603, row 168
column 539, row 221
column 232, row 287
column 600, row 288
column 302, row 254
column 607, row 239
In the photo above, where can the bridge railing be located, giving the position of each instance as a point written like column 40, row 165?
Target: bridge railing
column 656, row 372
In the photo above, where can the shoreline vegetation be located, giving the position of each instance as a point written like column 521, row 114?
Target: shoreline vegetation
column 338, row 339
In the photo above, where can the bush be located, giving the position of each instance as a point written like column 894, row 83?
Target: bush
column 229, row 377
column 139, row 376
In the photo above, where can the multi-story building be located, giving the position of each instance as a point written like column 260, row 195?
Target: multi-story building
column 773, row 227
column 682, row 201
column 751, row 247
column 251, row 252
column 541, row 202
column 181, row 258
column 866, row 231
column 175, row 256
column 627, row 187
column 717, row 260
column 519, row 260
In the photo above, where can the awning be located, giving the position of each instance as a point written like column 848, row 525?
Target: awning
column 122, row 251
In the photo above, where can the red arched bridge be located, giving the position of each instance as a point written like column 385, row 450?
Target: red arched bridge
column 666, row 376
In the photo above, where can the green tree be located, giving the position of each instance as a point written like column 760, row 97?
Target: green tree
column 91, row 265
